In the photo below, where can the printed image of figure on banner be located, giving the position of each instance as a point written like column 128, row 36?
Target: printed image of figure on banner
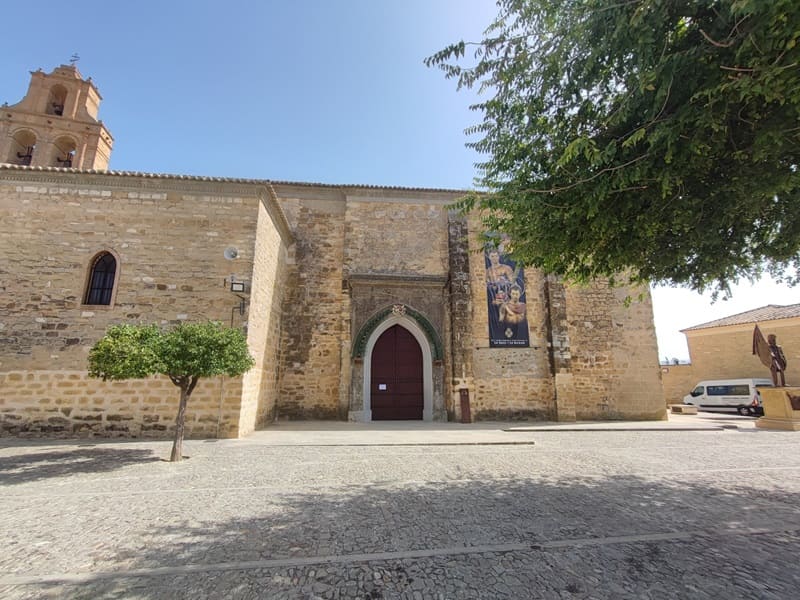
column 505, row 295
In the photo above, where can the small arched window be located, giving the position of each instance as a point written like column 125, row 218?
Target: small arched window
column 101, row 279
column 56, row 100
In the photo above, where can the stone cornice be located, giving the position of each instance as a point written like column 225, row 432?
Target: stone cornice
column 45, row 117
column 54, row 176
column 393, row 196
column 270, row 201
column 129, row 180
column 354, row 188
column 262, row 189
column 396, row 279
column 349, row 188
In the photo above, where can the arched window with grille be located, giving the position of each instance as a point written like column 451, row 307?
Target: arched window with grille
column 102, row 276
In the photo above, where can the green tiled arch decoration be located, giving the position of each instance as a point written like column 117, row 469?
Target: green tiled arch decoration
column 360, row 345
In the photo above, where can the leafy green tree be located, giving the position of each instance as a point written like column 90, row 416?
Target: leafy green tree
column 656, row 138
column 184, row 354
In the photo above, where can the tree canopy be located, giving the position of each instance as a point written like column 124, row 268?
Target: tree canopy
column 184, row 354
column 655, row 138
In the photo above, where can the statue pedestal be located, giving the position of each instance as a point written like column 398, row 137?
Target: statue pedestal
column 781, row 409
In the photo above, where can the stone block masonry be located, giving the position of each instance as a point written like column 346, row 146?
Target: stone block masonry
column 322, row 272
column 168, row 237
column 169, row 247
column 325, row 268
column 508, row 383
column 395, row 236
column 460, row 311
column 260, row 385
column 311, row 318
column 678, row 380
column 590, row 356
column 614, row 357
column 70, row 404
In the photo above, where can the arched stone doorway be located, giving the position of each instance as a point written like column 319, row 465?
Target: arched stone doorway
column 411, row 326
column 396, row 381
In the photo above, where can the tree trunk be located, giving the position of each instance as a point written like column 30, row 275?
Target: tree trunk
column 177, row 445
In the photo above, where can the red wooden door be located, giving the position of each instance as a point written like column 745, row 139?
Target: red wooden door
column 396, row 376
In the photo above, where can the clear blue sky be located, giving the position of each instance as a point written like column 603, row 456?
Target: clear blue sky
column 303, row 90
column 308, row 90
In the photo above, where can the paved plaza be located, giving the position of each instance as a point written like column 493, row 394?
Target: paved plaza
column 696, row 508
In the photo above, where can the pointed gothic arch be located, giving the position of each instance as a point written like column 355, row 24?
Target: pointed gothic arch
column 360, row 343
column 430, row 344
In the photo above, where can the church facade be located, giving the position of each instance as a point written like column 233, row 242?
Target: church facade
column 359, row 302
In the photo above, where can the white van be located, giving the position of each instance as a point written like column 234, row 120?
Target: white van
column 740, row 395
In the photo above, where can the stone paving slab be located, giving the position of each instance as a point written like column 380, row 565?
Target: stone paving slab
column 696, row 568
column 421, row 433
column 598, row 514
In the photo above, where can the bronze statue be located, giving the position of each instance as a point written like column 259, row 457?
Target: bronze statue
column 771, row 356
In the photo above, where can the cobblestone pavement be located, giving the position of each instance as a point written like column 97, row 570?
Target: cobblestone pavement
column 555, row 514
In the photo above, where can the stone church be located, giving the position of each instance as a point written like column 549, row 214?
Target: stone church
column 359, row 302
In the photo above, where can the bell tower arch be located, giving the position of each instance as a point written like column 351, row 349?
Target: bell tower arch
column 56, row 124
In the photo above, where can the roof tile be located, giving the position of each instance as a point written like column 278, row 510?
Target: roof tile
column 12, row 167
column 770, row 312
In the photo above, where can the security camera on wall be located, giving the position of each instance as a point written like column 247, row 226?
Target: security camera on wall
column 231, row 253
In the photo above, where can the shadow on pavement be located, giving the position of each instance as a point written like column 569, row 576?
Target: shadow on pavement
column 567, row 527
column 35, row 465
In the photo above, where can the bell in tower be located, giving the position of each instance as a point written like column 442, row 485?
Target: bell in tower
column 56, row 124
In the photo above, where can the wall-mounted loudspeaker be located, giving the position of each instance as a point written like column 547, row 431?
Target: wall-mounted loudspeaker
column 231, row 253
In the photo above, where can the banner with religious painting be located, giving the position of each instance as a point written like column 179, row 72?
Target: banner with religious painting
column 505, row 296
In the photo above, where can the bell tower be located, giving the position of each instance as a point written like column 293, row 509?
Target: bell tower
column 56, row 124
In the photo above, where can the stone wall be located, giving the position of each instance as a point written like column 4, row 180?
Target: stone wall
column 320, row 262
column 509, row 383
column 391, row 243
column 590, row 356
column 678, row 380
column 312, row 325
column 397, row 252
column 168, row 236
column 614, row 353
column 460, row 309
column 395, row 235
column 560, row 353
column 356, row 252
column 69, row 404
column 260, row 385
